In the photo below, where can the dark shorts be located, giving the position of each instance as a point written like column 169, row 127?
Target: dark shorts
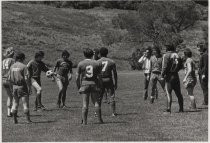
column 20, row 91
column 190, row 82
column 6, row 83
column 88, row 89
column 62, row 79
column 108, row 85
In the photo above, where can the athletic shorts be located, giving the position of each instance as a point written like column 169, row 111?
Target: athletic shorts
column 6, row 83
column 64, row 80
column 190, row 82
column 89, row 88
column 20, row 91
column 108, row 85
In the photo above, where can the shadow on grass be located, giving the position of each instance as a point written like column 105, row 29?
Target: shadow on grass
column 188, row 111
column 202, row 108
column 35, row 122
column 116, row 122
column 121, row 114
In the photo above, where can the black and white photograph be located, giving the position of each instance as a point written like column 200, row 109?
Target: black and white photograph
column 104, row 71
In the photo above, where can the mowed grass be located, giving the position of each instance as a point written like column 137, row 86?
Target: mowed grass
column 138, row 120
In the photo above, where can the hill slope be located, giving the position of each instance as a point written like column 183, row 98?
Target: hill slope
column 30, row 27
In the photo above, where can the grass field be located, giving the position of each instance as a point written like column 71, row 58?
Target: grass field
column 138, row 120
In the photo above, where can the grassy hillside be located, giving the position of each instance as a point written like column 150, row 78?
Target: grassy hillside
column 30, row 27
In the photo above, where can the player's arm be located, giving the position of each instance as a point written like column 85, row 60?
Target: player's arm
column 44, row 67
column 78, row 77
column 70, row 71
column 115, row 76
column 165, row 64
column 189, row 67
column 30, row 71
column 142, row 59
column 27, row 79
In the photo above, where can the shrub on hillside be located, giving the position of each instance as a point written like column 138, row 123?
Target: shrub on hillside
column 159, row 22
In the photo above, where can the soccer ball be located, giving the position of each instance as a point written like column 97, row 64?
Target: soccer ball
column 49, row 73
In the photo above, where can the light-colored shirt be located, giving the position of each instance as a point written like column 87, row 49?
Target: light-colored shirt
column 146, row 64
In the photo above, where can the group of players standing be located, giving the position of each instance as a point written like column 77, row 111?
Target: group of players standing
column 165, row 70
column 94, row 77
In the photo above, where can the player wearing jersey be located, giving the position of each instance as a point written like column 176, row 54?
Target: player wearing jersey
column 108, row 72
column 88, row 79
column 18, row 75
column 35, row 67
column 63, row 68
column 6, row 64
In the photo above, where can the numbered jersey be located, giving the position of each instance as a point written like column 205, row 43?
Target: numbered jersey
column 17, row 74
column 107, row 67
column 89, row 70
column 6, row 64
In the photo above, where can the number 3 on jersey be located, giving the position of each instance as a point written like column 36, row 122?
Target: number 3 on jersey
column 104, row 63
column 89, row 71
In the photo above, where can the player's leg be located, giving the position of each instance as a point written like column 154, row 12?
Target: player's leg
column 96, row 99
column 169, row 96
column 64, row 95
column 192, row 98
column 15, row 105
column 146, row 84
column 204, row 86
column 177, row 89
column 85, row 101
column 38, row 90
column 8, row 88
column 60, row 91
column 153, row 81
column 25, row 101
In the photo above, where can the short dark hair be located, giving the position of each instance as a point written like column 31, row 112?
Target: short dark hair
column 39, row 54
column 188, row 52
column 103, row 52
column 170, row 47
column 19, row 56
column 157, row 49
column 149, row 49
column 96, row 50
column 88, row 53
column 65, row 53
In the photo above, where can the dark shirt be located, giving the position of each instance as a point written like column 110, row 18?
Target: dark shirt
column 35, row 68
column 63, row 67
column 89, row 70
column 203, row 64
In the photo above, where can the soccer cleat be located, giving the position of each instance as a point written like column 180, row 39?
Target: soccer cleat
column 114, row 114
column 101, row 121
column 42, row 107
column 181, row 110
column 35, row 109
column 64, row 107
column 95, row 114
column 167, row 111
column 152, row 100
column 145, row 97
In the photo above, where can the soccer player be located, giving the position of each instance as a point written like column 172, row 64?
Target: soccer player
column 6, row 64
column 170, row 69
column 108, row 72
column 203, row 71
column 63, row 68
column 88, row 79
column 190, row 80
column 35, row 67
column 145, row 60
column 18, row 75
column 156, row 67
